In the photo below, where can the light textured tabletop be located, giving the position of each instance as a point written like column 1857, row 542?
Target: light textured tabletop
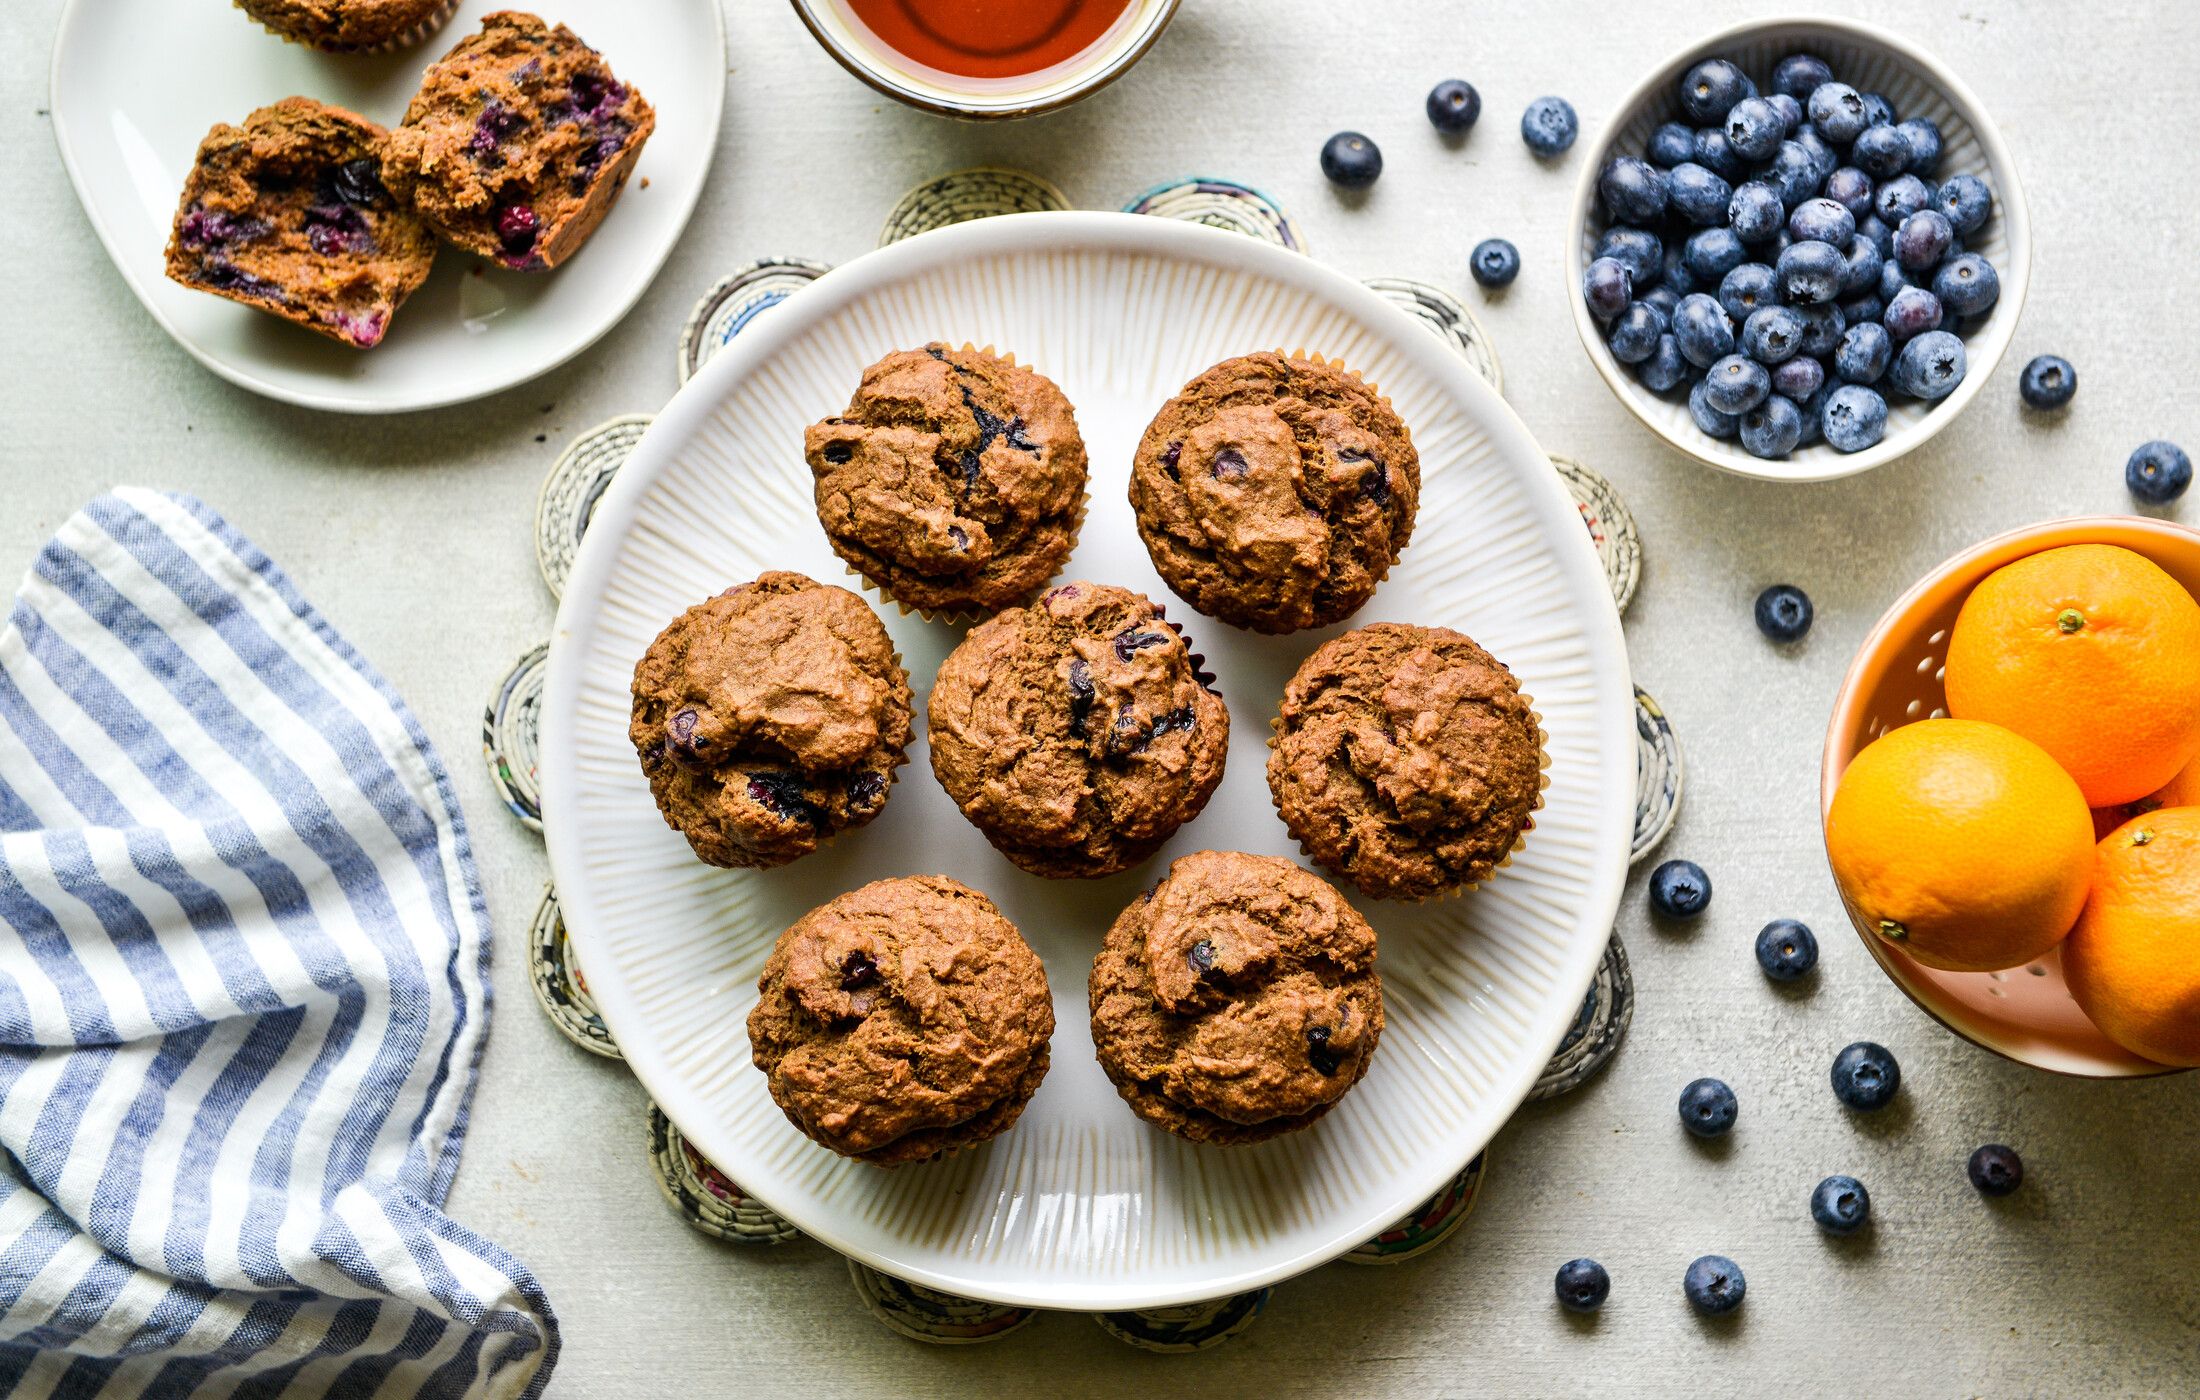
column 413, row 535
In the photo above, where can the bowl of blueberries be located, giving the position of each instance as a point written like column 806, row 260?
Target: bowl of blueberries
column 1800, row 249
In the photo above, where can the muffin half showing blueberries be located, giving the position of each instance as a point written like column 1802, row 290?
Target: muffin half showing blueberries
column 771, row 718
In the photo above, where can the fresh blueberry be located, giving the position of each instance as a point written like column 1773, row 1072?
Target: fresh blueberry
column 1637, row 250
column 1790, row 110
column 1892, row 279
column 1810, row 272
column 1786, row 950
column 1494, row 262
column 1754, row 212
column 1453, row 106
column 1899, row 198
column 1772, row 334
column 1635, row 332
column 1860, row 266
column 1708, row 419
column 1708, row 1108
column 1351, row 160
column 1913, row 312
column 1715, row 155
column 1607, row 287
column 1882, row 152
column 1794, row 174
column 1679, row 889
column 1665, row 299
column 1854, row 418
column 1822, row 156
column 1633, row 190
column 1773, row 428
column 1840, row 1205
column 1923, row 239
column 1582, row 1285
column 1746, row 288
column 1878, row 111
column 1967, row 285
column 1800, row 74
column 1865, row 1076
column 1823, row 221
column 1704, row 330
column 1852, row 190
column 1930, row 366
column 1755, row 129
column 1711, row 88
column 1813, row 410
column 1822, row 327
column 1784, row 613
column 1837, row 110
column 1673, row 273
column 1665, row 368
column 1965, row 201
column 1714, row 1285
column 1876, row 229
column 2047, row 383
column 1549, row 126
column 1699, row 194
column 1672, row 144
column 1797, row 379
column 1736, row 384
column 1864, row 353
column 1712, row 253
column 1868, row 307
column 2158, row 472
column 1923, row 134
column 1996, row 1170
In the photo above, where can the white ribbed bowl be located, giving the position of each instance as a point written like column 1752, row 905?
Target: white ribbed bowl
column 1871, row 59
column 1083, row 1205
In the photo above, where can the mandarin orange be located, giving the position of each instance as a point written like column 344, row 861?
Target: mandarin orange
column 2133, row 961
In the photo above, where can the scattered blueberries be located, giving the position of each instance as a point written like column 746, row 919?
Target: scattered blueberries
column 1714, row 1285
column 1865, row 1076
column 1495, row 262
column 1840, row 1205
column 1996, row 1170
column 1453, row 106
column 1786, row 950
column 1784, row 612
column 1679, row 889
column 1582, row 1285
column 2047, row 383
column 1708, row 1108
column 2158, row 472
column 1351, row 160
column 1549, row 126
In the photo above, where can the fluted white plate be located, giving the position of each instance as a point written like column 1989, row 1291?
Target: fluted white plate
column 1083, row 1205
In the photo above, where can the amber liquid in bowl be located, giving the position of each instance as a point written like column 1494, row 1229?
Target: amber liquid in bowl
column 989, row 38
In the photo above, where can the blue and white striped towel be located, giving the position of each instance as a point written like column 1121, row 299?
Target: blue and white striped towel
column 243, row 954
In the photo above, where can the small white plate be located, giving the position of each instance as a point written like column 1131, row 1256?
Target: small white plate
column 138, row 83
column 1083, row 1205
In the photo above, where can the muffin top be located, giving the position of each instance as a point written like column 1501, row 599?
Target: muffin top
column 1406, row 759
column 1077, row 733
column 342, row 24
column 1275, row 493
column 1236, row 1000
column 954, row 481
column 769, row 718
column 902, row 1019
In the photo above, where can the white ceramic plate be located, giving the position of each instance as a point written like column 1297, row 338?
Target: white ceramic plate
column 138, row 83
column 1083, row 1205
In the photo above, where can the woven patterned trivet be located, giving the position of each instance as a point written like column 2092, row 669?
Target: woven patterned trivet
column 508, row 729
column 569, row 494
column 977, row 193
column 1448, row 318
column 1223, row 204
column 558, row 984
column 928, row 1315
column 739, row 298
column 1611, row 527
column 1659, row 776
column 703, row 1195
column 1599, row 1026
column 1192, row 1327
column 1431, row 1223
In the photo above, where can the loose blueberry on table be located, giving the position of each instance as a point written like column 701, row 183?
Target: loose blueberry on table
column 1714, row 1285
column 1866, row 1077
column 1453, row 106
column 1679, row 889
column 1786, row 950
column 1351, row 160
column 1549, row 126
column 1495, row 263
column 2158, row 472
column 2047, row 383
column 1840, row 1205
column 1784, row 613
column 1996, row 1170
column 1582, row 1285
column 1708, row 1108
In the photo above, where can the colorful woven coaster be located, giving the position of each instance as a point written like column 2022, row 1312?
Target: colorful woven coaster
column 509, row 727
column 928, row 1315
column 569, row 494
column 1449, row 320
column 1223, row 204
column 557, row 981
column 1432, row 1222
column 1611, row 527
column 1192, row 1327
column 1659, row 776
column 703, row 1195
column 739, row 298
column 1601, row 1024
column 977, row 193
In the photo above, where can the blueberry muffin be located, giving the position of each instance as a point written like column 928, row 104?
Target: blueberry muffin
column 1406, row 760
column 1275, row 493
column 1236, row 1001
column 954, row 481
column 518, row 142
column 1077, row 733
column 902, row 1021
column 350, row 26
column 287, row 214
column 770, row 719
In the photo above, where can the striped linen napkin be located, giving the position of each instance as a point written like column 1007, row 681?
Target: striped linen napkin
column 243, row 953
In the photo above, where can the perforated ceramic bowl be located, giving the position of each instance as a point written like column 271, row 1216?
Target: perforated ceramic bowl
column 2023, row 1013
column 1871, row 59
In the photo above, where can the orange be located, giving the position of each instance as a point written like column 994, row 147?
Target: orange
column 2133, row 961
column 1961, row 843
column 2093, row 653
column 2182, row 791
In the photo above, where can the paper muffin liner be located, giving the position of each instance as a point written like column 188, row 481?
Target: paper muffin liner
column 404, row 40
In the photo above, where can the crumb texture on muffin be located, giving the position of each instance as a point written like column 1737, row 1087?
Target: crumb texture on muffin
column 1078, row 734
column 1275, row 493
column 954, row 480
column 1236, row 1001
column 770, row 718
column 902, row 1021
